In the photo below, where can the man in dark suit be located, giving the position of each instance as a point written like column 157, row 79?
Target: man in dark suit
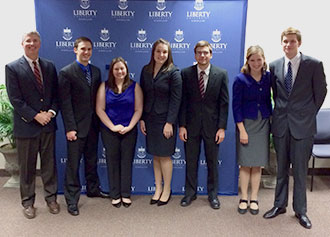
column 78, row 84
column 299, row 89
column 203, row 116
column 32, row 89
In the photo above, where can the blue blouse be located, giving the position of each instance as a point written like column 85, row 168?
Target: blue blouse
column 120, row 107
column 250, row 96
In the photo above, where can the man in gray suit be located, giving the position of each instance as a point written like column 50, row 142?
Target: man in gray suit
column 32, row 89
column 203, row 116
column 299, row 89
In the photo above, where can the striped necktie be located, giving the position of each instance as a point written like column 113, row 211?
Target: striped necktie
column 37, row 75
column 88, row 76
column 201, row 83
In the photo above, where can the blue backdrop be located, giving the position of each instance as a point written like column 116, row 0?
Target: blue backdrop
column 128, row 29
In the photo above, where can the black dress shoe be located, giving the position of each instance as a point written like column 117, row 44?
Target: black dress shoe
column 275, row 211
column 98, row 194
column 241, row 210
column 304, row 221
column 126, row 204
column 117, row 205
column 187, row 200
column 214, row 202
column 254, row 211
column 73, row 209
column 161, row 203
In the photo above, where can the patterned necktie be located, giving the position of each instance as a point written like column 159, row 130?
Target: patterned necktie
column 38, row 76
column 201, row 83
column 288, row 79
column 88, row 76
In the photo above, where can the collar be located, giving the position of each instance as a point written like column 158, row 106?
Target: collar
column 84, row 68
column 293, row 60
column 207, row 70
column 30, row 61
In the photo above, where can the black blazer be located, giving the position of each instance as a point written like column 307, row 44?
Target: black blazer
column 209, row 113
column 298, row 110
column 78, row 99
column 27, row 100
column 162, row 94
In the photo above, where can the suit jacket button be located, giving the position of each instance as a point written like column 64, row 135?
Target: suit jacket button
column 41, row 100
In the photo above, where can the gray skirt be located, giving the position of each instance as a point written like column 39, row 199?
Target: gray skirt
column 256, row 152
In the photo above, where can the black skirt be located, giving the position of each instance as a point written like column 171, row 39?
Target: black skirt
column 157, row 143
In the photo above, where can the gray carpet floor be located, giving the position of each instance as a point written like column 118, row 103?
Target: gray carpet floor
column 98, row 217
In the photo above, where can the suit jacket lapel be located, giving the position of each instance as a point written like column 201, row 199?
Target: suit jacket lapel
column 79, row 73
column 30, row 75
column 300, row 72
column 211, row 81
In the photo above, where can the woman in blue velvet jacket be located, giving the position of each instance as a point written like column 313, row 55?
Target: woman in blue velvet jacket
column 252, row 109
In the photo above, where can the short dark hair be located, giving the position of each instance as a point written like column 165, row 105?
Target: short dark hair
column 82, row 39
column 203, row 43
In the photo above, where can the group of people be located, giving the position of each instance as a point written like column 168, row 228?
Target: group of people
column 194, row 99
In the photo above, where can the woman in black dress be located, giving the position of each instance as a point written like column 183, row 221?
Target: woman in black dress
column 162, row 86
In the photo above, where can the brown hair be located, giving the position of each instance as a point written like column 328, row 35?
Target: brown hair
column 111, row 82
column 82, row 39
column 169, row 62
column 253, row 50
column 291, row 31
column 203, row 43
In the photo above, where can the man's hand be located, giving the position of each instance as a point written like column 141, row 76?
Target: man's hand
column 183, row 135
column 220, row 135
column 71, row 136
column 43, row 117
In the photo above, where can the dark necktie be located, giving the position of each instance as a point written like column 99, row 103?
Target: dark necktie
column 288, row 79
column 201, row 83
column 88, row 76
column 38, row 76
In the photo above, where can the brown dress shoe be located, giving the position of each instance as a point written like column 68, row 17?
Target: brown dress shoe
column 29, row 212
column 54, row 207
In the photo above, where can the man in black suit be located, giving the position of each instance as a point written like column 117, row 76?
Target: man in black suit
column 299, row 89
column 32, row 89
column 78, row 84
column 203, row 116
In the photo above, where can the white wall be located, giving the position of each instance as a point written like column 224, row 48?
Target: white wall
column 265, row 22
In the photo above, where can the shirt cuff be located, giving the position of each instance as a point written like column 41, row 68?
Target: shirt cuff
column 53, row 112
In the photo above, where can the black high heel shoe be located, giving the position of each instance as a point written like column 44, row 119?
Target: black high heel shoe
column 155, row 201
column 161, row 203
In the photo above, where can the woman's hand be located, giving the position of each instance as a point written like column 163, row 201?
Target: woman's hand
column 143, row 127
column 168, row 130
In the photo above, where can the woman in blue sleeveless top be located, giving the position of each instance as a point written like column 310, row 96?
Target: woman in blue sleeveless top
column 119, row 105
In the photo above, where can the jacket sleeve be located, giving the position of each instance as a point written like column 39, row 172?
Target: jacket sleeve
column 183, row 107
column 237, row 100
column 223, row 102
column 66, row 102
column 175, row 96
column 319, row 85
column 16, row 97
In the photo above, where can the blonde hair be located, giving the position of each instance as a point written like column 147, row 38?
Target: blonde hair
column 251, row 51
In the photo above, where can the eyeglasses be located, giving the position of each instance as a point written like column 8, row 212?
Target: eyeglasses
column 200, row 53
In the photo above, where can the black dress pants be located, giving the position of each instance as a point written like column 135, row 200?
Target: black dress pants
column 120, row 151
column 86, row 147
column 192, row 153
